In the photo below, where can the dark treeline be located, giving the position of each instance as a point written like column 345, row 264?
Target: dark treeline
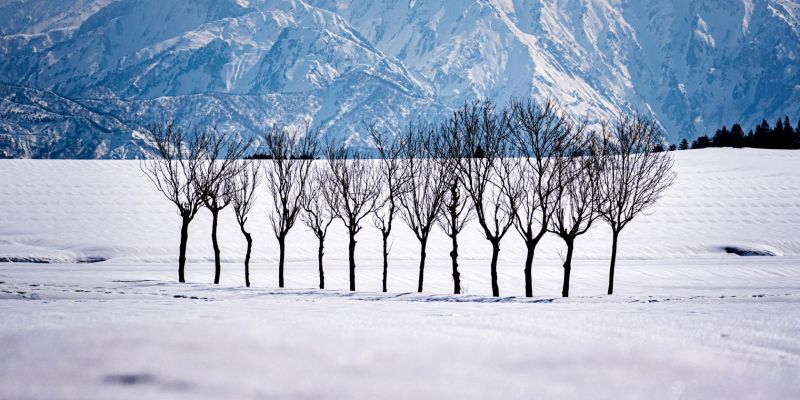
column 529, row 167
column 763, row 136
column 265, row 156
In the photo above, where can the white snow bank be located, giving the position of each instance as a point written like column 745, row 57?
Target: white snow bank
column 67, row 210
column 130, row 332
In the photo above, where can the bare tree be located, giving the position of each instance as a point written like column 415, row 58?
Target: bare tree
column 634, row 175
column 354, row 182
column 542, row 134
column 174, row 173
column 574, row 211
column 242, row 189
column 425, row 186
column 390, row 149
column 291, row 156
column 317, row 203
column 456, row 208
column 483, row 134
column 219, row 163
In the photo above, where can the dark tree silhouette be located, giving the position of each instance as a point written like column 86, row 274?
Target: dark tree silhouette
column 701, row 142
column 574, row 211
column 785, row 136
column 426, row 182
column 542, row 135
column 457, row 208
column 728, row 138
column 174, row 173
column 291, row 154
column 763, row 136
column 354, row 182
column 242, row 189
column 796, row 144
column 684, row 145
column 222, row 155
column 737, row 136
column 390, row 148
column 480, row 127
column 632, row 175
column 317, row 202
column 797, row 135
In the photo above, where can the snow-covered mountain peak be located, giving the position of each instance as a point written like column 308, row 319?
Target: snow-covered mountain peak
column 694, row 65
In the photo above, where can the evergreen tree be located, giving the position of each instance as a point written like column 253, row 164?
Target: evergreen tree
column 737, row 136
column 761, row 138
column 782, row 136
column 777, row 135
column 701, row 142
column 786, row 136
column 797, row 136
column 684, row 145
column 748, row 140
column 479, row 153
column 721, row 138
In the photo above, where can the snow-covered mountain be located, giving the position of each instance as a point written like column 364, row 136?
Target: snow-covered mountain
column 246, row 64
column 696, row 64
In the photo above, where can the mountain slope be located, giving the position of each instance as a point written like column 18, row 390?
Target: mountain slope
column 717, row 61
column 694, row 66
column 41, row 124
column 221, row 63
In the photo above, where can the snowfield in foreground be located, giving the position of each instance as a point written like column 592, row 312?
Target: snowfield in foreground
column 688, row 320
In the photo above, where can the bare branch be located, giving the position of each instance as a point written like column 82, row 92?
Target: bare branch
column 291, row 154
column 479, row 135
column 393, row 181
column 634, row 174
column 354, row 191
column 426, row 183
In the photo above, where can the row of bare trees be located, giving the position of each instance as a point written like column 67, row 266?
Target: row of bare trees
column 529, row 167
column 202, row 168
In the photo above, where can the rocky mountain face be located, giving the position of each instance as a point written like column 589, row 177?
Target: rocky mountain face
column 81, row 78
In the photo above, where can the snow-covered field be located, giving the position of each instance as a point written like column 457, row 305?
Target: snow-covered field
column 688, row 320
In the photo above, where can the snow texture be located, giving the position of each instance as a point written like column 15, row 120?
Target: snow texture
column 689, row 319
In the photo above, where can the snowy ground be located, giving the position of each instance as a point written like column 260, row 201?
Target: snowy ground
column 688, row 319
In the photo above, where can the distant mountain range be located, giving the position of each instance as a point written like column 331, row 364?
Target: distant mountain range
column 81, row 78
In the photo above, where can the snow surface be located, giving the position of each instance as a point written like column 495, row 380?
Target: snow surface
column 688, row 320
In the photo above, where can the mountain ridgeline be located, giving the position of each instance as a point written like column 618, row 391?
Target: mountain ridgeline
column 81, row 78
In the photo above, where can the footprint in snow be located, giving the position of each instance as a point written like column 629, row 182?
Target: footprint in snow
column 129, row 379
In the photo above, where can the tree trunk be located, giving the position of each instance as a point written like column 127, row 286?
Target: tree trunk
column 281, row 256
column 567, row 267
column 215, row 243
column 495, row 254
column 182, row 255
column 320, row 252
column 452, row 208
column 531, row 248
column 423, row 244
column 249, row 239
column 352, row 257
column 454, row 258
column 615, row 236
column 385, row 259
